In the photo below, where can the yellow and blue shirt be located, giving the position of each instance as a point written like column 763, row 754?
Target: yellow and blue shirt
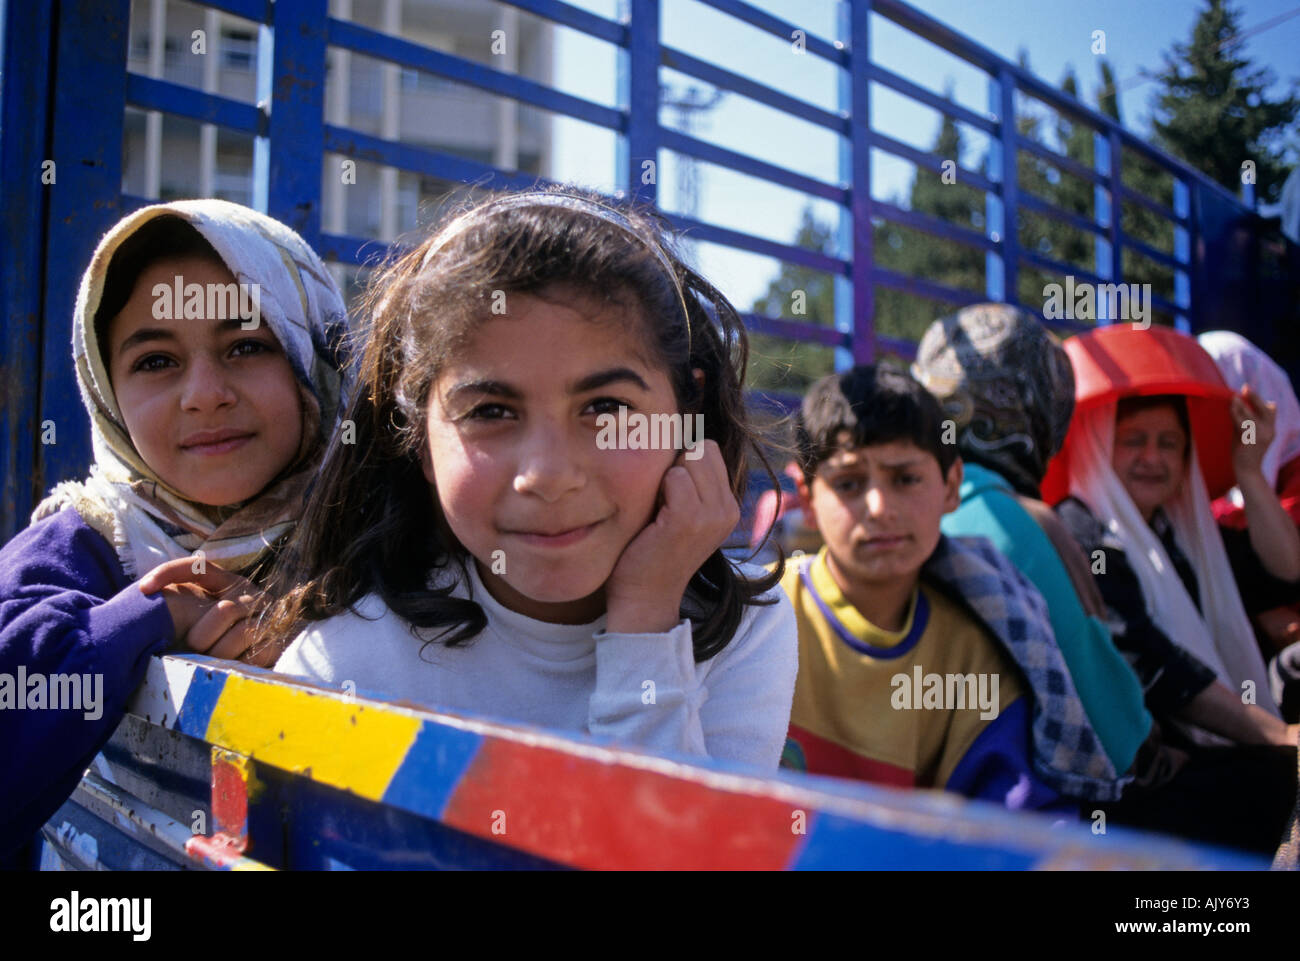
column 904, row 708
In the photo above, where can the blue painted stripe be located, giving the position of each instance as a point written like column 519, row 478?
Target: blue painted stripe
column 353, row 250
column 200, row 701
column 694, row 147
column 727, row 80
column 1153, row 205
column 150, row 94
column 432, row 769
column 796, row 330
column 784, row 29
column 1033, row 202
column 904, row 348
column 906, row 87
column 1152, row 253
column 836, row 843
column 1061, row 267
column 906, row 284
column 930, row 224
column 434, row 163
column 1060, row 161
column 417, row 57
column 256, row 10
column 698, row 230
column 568, row 15
column 923, row 158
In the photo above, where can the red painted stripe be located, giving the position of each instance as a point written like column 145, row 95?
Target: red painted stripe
column 229, row 801
column 827, row 757
column 219, row 851
column 593, row 815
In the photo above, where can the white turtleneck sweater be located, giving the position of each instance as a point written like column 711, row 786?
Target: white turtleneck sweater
column 574, row 677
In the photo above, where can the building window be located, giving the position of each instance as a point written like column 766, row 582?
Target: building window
column 239, row 50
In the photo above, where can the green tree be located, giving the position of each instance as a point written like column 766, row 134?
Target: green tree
column 1214, row 111
column 801, row 294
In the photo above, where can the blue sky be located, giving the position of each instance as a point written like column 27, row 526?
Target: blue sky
column 1055, row 35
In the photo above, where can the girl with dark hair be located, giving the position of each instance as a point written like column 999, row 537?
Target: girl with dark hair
column 490, row 544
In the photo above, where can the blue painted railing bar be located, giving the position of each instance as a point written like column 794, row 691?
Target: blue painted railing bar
column 1109, row 201
column 351, row 250
column 725, row 79
column 798, row 330
column 88, row 106
column 931, row 162
column 855, row 162
column 931, row 224
column 297, row 127
column 1010, row 192
column 907, row 88
column 148, row 93
column 1052, row 265
column 1152, row 205
column 382, row 46
column 259, row 11
column 641, row 154
column 784, row 29
column 698, row 230
column 423, row 160
column 1167, row 306
column 26, row 60
column 568, row 15
column 928, row 28
column 742, row 163
column 1037, row 204
column 1151, row 253
column 1060, row 161
column 907, row 284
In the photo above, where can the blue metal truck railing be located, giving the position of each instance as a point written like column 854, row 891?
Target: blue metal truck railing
column 50, row 229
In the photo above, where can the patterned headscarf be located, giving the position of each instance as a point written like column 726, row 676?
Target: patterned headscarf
column 123, row 499
column 1006, row 382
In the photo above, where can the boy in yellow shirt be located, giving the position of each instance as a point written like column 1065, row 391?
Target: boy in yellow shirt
column 924, row 661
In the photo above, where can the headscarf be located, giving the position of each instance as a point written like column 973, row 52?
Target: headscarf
column 1005, row 381
column 145, row 520
column 1221, row 637
column 1241, row 362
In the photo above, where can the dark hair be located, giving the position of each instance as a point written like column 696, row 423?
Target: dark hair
column 163, row 238
column 371, row 526
column 875, row 404
column 1128, row 406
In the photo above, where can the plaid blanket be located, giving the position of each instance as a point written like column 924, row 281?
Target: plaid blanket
column 1067, row 753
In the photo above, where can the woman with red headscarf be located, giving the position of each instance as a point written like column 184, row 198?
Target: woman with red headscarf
column 1152, row 410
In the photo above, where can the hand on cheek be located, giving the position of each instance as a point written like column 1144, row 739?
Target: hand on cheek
column 697, row 513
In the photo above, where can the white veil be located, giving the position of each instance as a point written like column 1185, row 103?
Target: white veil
column 1223, row 638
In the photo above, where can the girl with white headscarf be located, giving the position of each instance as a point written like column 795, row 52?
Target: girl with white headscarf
column 118, row 566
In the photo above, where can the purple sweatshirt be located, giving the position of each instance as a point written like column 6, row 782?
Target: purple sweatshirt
column 66, row 608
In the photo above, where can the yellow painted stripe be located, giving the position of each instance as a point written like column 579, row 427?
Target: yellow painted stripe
column 246, row 864
column 341, row 743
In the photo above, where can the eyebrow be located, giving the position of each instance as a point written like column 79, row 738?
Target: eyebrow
column 604, row 378
column 886, row 465
column 144, row 335
column 147, row 334
column 498, row 388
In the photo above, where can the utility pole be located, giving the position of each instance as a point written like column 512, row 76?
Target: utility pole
column 690, row 105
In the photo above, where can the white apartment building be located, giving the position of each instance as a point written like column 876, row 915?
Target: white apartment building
column 168, row 157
